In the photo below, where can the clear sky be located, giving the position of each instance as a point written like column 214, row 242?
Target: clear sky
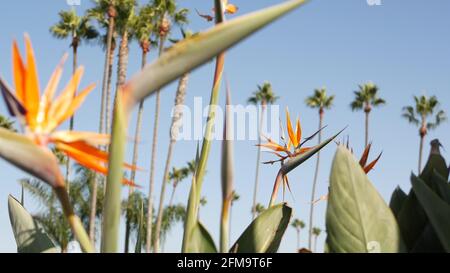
column 402, row 45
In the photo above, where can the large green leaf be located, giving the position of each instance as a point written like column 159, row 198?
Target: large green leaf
column 358, row 219
column 200, row 240
column 264, row 234
column 30, row 237
column 412, row 218
column 441, row 187
column 397, row 200
column 437, row 210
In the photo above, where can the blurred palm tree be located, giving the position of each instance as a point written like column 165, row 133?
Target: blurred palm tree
column 259, row 208
column 77, row 29
column 365, row 99
column 176, row 176
column 419, row 115
column 263, row 96
column 321, row 101
column 166, row 13
column 51, row 216
column 298, row 225
column 6, row 123
column 316, row 233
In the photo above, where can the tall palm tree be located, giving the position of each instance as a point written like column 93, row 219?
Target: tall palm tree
column 259, row 208
column 203, row 202
column 77, row 29
column 419, row 115
column 235, row 197
column 6, row 123
column 131, row 210
column 365, row 99
column 321, row 101
column 104, row 12
column 263, row 96
column 316, row 233
column 298, row 225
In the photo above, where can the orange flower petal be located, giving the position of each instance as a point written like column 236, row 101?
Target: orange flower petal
column 87, row 161
column 273, row 146
column 372, row 164
column 49, row 91
column 18, row 72
column 231, row 9
column 75, row 104
column 31, row 95
column 298, row 131
column 63, row 101
column 365, row 156
column 290, row 130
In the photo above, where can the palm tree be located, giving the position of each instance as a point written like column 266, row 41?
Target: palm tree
column 419, row 114
column 259, row 208
column 176, row 176
column 365, row 99
column 321, row 101
column 6, row 123
column 77, row 29
column 203, row 202
column 316, row 233
column 235, row 197
column 104, row 12
column 298, row 225
column 131, row 209
column 263, row 96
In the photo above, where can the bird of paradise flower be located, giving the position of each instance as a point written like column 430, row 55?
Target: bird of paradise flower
column 41, row 115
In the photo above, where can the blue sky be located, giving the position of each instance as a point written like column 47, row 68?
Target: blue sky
column 403, row 46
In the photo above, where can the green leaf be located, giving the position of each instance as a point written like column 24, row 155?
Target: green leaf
column 428, row 242
column 441, row 187
column 199, row 49
column 201, row 241
column 437, row 210
column 30, row 237
column 397, row 200
column 22, row 152
column 357, row 219
column 264, row 234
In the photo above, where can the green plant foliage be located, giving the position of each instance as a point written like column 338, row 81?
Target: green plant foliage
column 30, row 237
column 264, row 234
column 357, row 219
column 201, row 241
column 397, row 200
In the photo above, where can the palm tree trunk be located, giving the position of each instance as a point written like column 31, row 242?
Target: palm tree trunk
column 315, row 243
column 153, row 160
column 298, row 239
column 316, row 176
column 367, row 129
column 172, row 195
column 107, row 69
column 108, row 110
column 258, row 159
column 179, row 100
column 71, row 123
column 422, row 139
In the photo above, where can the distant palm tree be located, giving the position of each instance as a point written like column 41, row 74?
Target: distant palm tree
column 131, row 210
column 259, row 208
column 263, row 96
column 6, row 123
column 321, row 101
column 77, row 29
column 298, row 225
column 419, row 114
column 235, row 197
column 316, row 233
column 365, row 99
column 176, row 176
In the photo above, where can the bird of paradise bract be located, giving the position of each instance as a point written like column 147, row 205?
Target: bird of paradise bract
column 40, row 115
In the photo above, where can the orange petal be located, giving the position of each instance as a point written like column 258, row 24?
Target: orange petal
column 372, row 164
column 50, row 90
column 231, row 9
column 273, row 146
column 87, row 161
column 290, row 130
column 19, row 73
column 75, row 104
column 93, row 139
column 31, row 98
column 63, row 101
column 298, row 131
column 365, row 155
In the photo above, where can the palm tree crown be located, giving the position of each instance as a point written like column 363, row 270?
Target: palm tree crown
column 71, row 25
column 263, row 95
column 366, row 98
column 6, row 123
column 424, row 107
column 298, row 224
column 320, row 100
column 144, row 26
column 316, row 231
